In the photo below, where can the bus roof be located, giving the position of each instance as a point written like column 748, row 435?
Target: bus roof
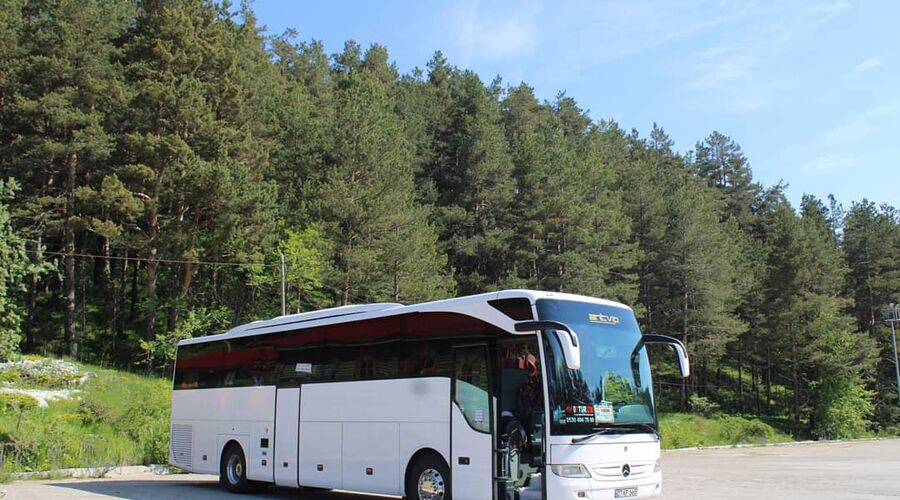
column 472, row 305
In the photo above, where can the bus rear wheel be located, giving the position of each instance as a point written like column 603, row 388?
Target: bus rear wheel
column 233, row 471
column 428, row 478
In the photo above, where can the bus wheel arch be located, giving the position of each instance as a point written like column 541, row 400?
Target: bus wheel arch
column 427, row 471
column 233, row 469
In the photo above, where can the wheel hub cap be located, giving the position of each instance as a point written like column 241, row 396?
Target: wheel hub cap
column 234, row 469
column 431, row 485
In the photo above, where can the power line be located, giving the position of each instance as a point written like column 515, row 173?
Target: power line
column 193, row 262
column 166, row 261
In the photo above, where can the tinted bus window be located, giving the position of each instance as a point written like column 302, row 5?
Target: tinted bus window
column 412, row 345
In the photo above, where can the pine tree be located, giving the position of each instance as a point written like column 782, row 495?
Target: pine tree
column 186, row 142
column 720, row 161
column 701, row 264
column 12, row 273
column 369, row 202
column 302, row 112
column 472, row 173
column 10, row 50
column 591, row 232
column 66, row 83
column 528, row 127
column 871, row 242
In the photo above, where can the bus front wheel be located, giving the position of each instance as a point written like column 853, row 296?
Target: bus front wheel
column 233, row 471
column 428, row 478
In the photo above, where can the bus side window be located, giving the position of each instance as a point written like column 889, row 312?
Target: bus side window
column 470, row 386
column 420, row 359
column 366, row 366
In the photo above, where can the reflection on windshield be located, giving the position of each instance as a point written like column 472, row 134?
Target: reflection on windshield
column 613, row 386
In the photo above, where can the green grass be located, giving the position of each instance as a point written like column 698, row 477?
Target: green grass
column 118, row 419
column 684, row 430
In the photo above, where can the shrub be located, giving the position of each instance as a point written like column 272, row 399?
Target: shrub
column 91, row 411
column 17, row 401
column 146, row 421
column 11, row 377
column 738, row 430
column 163, row 348
column 154, row 444
column 44, row 372
column 702, row 404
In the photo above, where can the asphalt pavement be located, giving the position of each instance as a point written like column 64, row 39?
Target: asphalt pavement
column 854, row 470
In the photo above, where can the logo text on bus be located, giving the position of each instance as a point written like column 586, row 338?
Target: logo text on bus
column 606, row 319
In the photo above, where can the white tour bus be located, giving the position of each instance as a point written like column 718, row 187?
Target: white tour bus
column 507, row 395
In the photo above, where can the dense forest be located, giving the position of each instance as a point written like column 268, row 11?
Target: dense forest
column 158, row 156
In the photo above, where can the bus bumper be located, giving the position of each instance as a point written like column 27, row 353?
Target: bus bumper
column 561, row 488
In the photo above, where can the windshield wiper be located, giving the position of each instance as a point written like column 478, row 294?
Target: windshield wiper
column 598, row 431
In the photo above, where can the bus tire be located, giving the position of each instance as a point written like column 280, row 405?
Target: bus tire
column 428, row 478
column 233, row 470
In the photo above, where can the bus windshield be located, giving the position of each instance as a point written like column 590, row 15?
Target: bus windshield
column 612, row 389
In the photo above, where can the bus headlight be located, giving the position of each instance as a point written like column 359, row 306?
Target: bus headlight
column 571, row 470
column 657, row 467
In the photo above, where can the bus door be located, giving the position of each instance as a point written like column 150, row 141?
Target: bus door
column 287, row 418
column 471, row 424
column 520, row 419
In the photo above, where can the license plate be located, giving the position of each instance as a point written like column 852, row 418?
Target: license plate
column 626, row 492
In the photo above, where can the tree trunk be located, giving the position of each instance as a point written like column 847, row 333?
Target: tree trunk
column 69, row 236
column 685, row 389
column 754, row 373
column 396, row 284
column 795, row 382
column 768, row 380
column 348, row 267
column 740, row 391
column 172, row 317
column 119, row 319
column 28, row 327
column 214, row 277
column 132, row 308
column 152, row 260
column 152, row 275
column 187, row 272
column 109, row 286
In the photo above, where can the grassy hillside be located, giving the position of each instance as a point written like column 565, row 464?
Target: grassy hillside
column 683, row 430
column 109, row 417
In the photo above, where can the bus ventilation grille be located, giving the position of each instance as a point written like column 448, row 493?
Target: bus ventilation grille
column 182, row 444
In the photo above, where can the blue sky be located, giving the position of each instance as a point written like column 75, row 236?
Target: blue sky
column 809, row 88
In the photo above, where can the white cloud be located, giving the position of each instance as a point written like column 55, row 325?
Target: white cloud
column 745, row 73
column 825, row 11
column 866, row 65
column 612, row 29
column 571, row 36
column 864, row 124
column 719, row 65
column 827, row 164
column 488, row 33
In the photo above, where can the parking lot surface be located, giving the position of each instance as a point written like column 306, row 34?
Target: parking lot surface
column 821, row 471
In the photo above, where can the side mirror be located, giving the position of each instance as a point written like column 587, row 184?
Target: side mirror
column 568, row 339
column 571, row 351
column 683, row 362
